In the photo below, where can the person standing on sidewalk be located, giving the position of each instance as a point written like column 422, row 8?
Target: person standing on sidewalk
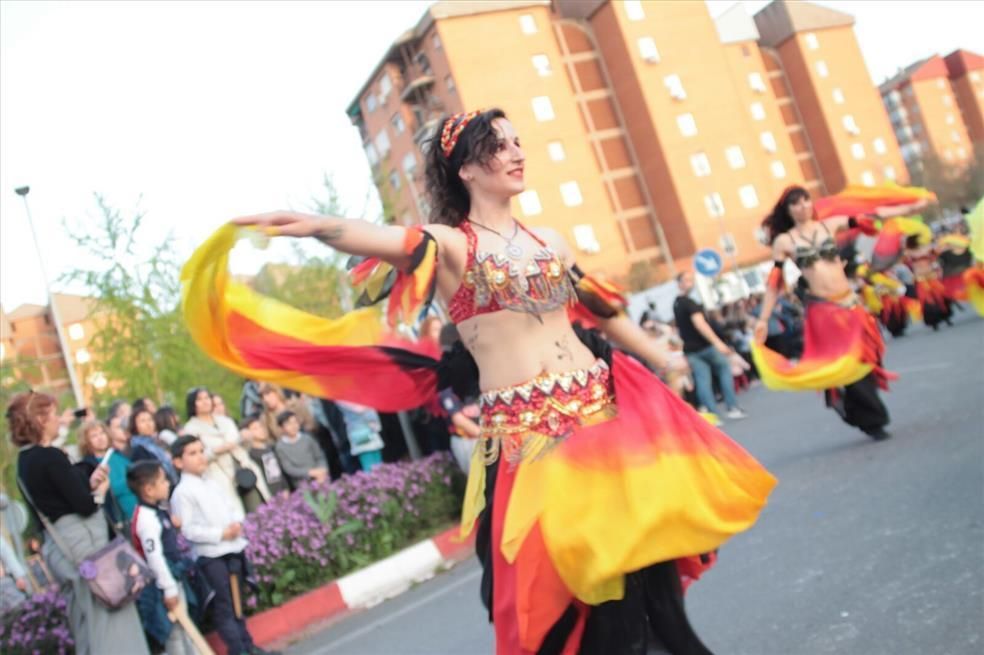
column 706, row 352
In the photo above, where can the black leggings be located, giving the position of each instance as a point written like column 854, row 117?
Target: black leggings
column 859, row 405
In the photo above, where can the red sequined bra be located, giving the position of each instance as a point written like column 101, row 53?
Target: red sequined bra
column 492, row 282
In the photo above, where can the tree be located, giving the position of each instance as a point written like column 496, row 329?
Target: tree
column 141, row 344
column 954, row 186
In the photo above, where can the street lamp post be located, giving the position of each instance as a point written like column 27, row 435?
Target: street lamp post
column 59, row 330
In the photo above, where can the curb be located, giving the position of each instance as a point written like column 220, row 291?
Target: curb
column 356, row 591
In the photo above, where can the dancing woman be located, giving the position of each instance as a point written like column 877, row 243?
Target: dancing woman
column 928, row 299
column 843, row 348
column 598, row 493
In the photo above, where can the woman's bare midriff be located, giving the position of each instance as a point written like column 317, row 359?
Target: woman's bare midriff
column 827, row 279
column 513, row 347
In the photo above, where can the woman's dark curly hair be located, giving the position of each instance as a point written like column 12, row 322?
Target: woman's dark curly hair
column 477, row 144
column 780, row 221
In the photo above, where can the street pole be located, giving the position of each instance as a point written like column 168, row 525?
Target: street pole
column 59, row 330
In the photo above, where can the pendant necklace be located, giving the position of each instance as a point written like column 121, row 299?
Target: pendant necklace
column 513, row 251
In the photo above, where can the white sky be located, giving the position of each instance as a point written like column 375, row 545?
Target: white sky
column 210, row 110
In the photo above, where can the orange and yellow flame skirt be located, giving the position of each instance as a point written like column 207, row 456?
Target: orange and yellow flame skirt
column 600, row 473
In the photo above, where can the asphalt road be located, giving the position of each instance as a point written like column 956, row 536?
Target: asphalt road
column 865, row 548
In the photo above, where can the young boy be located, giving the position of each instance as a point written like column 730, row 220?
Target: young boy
column 155, row 538
column 363, row 426
column 261, row 451
column 213, row 525
column 297, row 451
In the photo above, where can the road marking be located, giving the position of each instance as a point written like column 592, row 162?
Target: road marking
column 395, row 615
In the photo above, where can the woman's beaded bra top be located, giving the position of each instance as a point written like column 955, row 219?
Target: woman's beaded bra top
column 492, row 282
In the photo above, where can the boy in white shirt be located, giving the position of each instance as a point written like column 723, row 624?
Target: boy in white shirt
column 213, row 525
column 156, row 539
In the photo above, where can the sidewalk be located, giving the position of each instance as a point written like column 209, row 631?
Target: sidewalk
column 277, row 627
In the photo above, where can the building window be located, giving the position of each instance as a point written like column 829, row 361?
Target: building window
column 756, row 82
column 851, row 125
column 394, row 178
column 735, row 157
column 778, row 169
column 962, row 152
column 954, row 136
column 529, row 202
column 975, row 76
column 371, row 103
column 714, row 204
column 76, row 331
column 382, row 143
column 371, row 154
column 822, row 69
column 633, row 10
column 687, row 124
column 768, row 141
column 838, row 96
column 940, row 83
column 950, row 120
column 948, row 154
column 585, row 239
column 947, row 100
column 674, row 85
column 857, row 151
column 570, row 193
column 410, row 164
column 890, row 173
column 436, row 42
column 542, row 65
column 527, row 24
column 701, row 164
column 543, row 109
column 385, row 86
column 867, row 178
column 398, row 123
column 449, row 82
column 879, row 146
column 82, row 356
column 758, row 111
column 812, row 42
column 556, row 151
column 749, row 199
column 647, row 49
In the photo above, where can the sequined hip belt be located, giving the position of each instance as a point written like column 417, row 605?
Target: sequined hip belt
column 525, row 419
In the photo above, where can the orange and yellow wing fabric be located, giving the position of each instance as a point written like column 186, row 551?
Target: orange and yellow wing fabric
column 355, row 357
column 858, row 200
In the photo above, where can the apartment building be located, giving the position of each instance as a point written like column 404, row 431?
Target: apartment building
column 31, row 351
column 651, row 130
column 966, row 73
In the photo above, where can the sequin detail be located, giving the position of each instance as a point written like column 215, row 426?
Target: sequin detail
column 492, row 282
column 527, row 420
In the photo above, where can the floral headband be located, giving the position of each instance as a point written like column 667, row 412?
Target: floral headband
column 453, row 127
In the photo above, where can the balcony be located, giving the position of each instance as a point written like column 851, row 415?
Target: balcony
column 420, row 83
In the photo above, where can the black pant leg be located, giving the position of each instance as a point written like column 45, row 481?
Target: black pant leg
column 231, row 630
column 860, row 405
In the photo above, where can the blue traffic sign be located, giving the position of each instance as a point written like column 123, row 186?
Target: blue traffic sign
column 708, row 262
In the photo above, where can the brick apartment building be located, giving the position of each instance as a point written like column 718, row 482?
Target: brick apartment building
column 936, row 106
column 651, row 130
column 30, row 350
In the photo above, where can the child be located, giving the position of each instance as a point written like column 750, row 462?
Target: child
column 261, row 451
column 213, row 525
column 297, row 451
column 363, row 426
column 156, row 539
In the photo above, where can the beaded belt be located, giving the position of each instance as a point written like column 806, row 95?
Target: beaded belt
column 527, row 419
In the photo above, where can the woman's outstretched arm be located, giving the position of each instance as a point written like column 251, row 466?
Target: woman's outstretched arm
column 349, row 235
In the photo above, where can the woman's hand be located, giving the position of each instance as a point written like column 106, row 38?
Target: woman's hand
column 98, row 477
column 761, row 331
column 284, row 223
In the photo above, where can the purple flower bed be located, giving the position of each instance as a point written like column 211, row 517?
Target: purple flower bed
column 38, row 625
column 298, row 542
column 323, row 531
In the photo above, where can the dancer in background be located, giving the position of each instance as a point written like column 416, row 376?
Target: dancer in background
column 843, row 348
column 599, row 494
column 928, row 300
